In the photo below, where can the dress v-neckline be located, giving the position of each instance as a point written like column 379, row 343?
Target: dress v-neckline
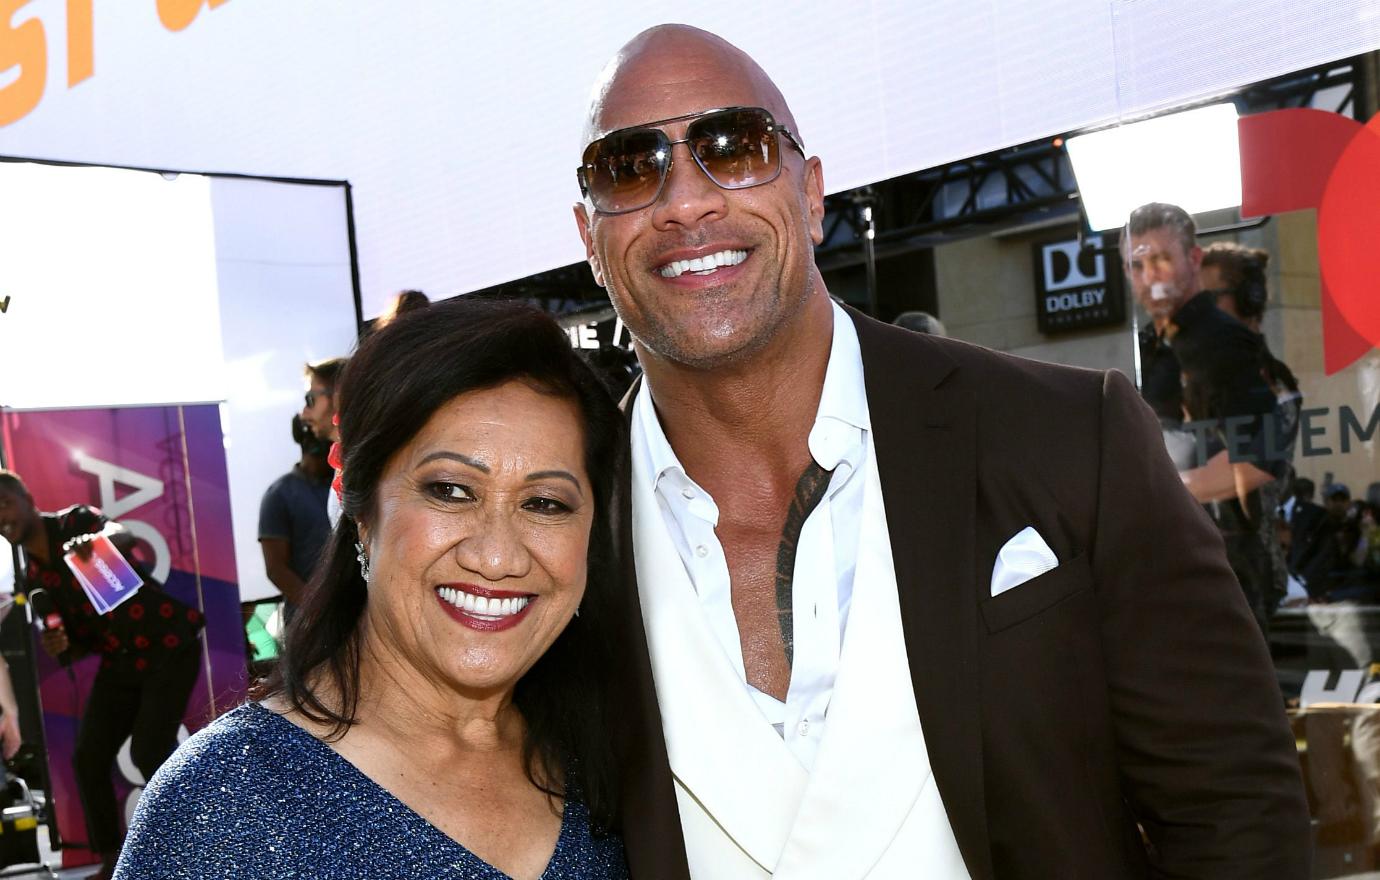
column 563, row 837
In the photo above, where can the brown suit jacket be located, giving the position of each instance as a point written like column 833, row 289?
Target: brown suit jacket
column 1129, row 685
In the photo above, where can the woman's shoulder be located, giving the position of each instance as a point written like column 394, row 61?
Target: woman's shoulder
column 231, row 759
column 224, row 798
column 246, row 735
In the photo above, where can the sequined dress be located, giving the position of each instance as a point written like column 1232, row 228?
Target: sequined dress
column 253, row 797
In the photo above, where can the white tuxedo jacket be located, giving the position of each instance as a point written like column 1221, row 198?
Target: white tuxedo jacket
column 748, row 809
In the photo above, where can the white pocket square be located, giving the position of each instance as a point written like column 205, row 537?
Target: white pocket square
column 1024, row 557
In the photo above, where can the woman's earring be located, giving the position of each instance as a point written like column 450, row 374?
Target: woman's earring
column 363, row 561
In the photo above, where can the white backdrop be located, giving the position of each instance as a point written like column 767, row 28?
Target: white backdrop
column 427, row 106
column 283, row 271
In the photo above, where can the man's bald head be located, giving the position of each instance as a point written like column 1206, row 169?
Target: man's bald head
column 668, row 66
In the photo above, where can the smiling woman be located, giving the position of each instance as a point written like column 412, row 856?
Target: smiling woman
column 438, row 708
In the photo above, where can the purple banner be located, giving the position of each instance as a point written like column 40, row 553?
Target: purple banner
column 160, row 472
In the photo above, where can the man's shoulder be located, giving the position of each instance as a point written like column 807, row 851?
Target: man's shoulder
column 955, row 363
column 990, row 362
column 284, row 483
column 296, row 487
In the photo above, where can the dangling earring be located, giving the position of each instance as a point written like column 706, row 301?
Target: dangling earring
column 363, row 561
column 577, row 610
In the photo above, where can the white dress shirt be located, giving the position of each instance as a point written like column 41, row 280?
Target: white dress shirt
column 827, row 549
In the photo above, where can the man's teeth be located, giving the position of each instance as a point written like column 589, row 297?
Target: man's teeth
column 702, row 265
column 481, row 606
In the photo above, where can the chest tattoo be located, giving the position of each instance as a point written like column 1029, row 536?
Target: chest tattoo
column 809, row 491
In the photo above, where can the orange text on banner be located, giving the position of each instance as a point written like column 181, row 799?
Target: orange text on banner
column 23, row 47
column 177, row 14
column 80, row 55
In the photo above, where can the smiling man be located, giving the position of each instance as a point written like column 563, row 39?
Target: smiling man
column 905, row 607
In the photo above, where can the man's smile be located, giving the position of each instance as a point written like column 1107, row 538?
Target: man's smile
column 707, row 264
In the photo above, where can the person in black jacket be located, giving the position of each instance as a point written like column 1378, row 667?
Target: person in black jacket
column 1236, row 275
column 1222, row 389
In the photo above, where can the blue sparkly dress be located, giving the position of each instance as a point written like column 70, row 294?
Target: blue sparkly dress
column 255, row 797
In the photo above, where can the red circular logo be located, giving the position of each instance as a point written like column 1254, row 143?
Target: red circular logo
column 1349, row 232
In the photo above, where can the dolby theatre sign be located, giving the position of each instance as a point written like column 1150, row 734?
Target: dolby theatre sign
column 1076, row 287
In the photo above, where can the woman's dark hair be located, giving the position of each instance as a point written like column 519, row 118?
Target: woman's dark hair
column 393, row 384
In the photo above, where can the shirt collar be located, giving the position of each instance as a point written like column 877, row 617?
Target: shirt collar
column 844, row 397
column 842, row 415
column 659, row 452
column 842, row 412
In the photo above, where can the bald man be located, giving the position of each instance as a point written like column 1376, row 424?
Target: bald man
column 904, row 607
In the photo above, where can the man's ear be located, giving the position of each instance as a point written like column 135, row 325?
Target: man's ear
column 814, row 196
column 582, row 222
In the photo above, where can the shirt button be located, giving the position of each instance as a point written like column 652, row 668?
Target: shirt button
column 803, row 728
column 701, row 551
column 687, row 494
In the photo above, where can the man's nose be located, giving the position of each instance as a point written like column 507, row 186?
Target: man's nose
column 688, row 197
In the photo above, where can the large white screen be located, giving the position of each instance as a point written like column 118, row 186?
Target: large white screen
column 457, row 123
column 112, row 288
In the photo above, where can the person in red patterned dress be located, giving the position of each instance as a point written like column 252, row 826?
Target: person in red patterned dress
column 148, row 648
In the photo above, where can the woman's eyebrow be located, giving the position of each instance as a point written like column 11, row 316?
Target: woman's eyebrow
column 560, row 475
column 454, row 456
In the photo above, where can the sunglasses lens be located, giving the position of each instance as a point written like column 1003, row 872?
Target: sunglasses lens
column 737, row 148
column 624, row 170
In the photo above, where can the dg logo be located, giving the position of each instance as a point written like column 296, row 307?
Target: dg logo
column 1067, row 265
column 1292, row 160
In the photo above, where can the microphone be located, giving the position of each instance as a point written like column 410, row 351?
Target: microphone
column 46, row 613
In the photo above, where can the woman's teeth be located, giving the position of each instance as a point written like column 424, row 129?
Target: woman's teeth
column 702, row 265
column 481, row 606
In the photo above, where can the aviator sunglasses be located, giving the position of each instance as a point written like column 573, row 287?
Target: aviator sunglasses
column 736, row 147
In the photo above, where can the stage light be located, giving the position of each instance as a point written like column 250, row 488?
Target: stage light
column 1190, row 159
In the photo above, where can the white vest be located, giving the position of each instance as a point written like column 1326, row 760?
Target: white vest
column 748, row 809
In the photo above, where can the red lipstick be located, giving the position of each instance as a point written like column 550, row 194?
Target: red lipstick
column 485, row 623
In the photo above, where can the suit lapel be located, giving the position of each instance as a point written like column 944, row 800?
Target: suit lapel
column 925, row 435
column 720, row 747
column 648, row 817
column 871, row 764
